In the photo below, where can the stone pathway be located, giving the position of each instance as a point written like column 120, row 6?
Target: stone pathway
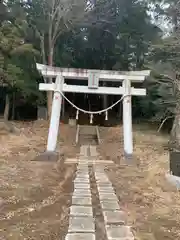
column 81, row 221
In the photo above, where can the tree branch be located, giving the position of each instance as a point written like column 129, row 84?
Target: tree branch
column 163, row 122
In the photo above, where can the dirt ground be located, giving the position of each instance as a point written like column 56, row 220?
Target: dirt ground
column 35, row 197
column 152, row 205
column 32, row 205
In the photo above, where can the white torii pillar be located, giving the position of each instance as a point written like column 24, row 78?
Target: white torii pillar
column 51, row 154
column 127, row 120
column 55, row 115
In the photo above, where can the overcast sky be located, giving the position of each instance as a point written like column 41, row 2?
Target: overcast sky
column 162, row 21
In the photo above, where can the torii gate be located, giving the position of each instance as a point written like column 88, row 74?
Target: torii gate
column 93, row 77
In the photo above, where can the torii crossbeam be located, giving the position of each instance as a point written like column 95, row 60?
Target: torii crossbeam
column 93, row 77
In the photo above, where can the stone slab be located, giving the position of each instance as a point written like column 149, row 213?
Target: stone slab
column 75, row 195
column 81, row 224
column 73, row 160
column 101, row 179
column 84, row 150
column 104, row 184
column 70, row 162
column 106, row 191
column 81, row 185
column 81, row 180
column 114, row 217
column 100, row 172
column 109, row 204
column 82, row 192
column 83, row 200
column 107, row 196
column 83, row 158
column 86, row 178
column 100, row 176
column 97, row 176
column 89, row 161
column 105, row 161
column 98, row 161
column 81, row 168
column 81, row 211
column 82, row 174
column 82, row 163
column 119, row 232
column 93, row 151
column 80, row 236
column 105, row 188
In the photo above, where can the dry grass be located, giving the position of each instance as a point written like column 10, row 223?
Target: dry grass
column 150, row 202
column 32, row 205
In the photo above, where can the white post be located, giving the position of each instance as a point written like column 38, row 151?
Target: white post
column 127, row 119
column 55, row 115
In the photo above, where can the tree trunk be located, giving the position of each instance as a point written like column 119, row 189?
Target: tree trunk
column 105, row 98
column 6, row 110
column 50, row 93
column 7, row 125
column 48, row 80
column 13, row 105
column 175, row 132
column 43, row 50
column 50, row 63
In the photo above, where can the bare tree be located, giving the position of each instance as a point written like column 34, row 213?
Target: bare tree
column 51, row 18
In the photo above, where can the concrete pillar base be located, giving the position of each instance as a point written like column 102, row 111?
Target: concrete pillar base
column 128, row 157
column 47, row 157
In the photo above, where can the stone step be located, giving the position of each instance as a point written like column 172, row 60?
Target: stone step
column 119, row 232
column 89, row 161
column 81, row 224
column 80, row 236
